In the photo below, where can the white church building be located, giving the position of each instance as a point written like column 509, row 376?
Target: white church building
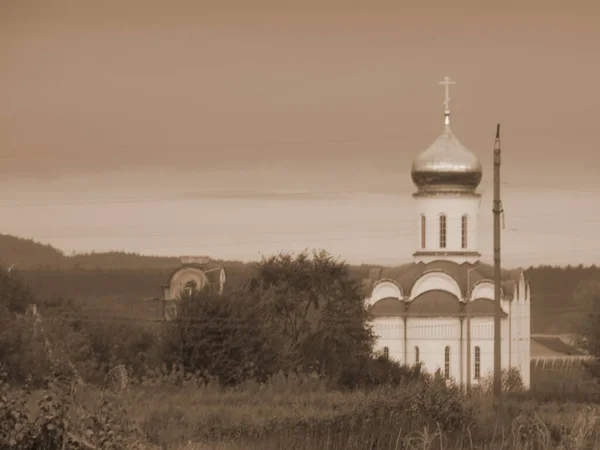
column 439, row 309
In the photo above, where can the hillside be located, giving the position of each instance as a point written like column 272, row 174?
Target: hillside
column 27, row 253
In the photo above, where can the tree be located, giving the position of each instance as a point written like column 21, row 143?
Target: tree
column 587, row 295
column 224, row 336
column 300, row 314
column 14, row 295
column 317, row 310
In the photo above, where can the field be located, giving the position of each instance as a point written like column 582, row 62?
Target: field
column 301, row 414
column 111, row 323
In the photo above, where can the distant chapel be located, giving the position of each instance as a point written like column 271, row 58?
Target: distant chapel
column 439, row 309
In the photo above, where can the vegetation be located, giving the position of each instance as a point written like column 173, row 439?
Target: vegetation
column 283, row 360
column 170, row 410
column 116, row 283
column 587, row 294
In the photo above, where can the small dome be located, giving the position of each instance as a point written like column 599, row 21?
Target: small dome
column 446, row 166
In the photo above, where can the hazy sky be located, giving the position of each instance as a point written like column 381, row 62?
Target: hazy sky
column 123, row 123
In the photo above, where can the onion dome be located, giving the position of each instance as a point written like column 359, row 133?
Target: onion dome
column 446, row 166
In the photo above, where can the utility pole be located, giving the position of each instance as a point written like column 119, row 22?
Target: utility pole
column 497, row 276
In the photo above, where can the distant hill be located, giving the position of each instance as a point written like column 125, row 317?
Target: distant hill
column 29, row 254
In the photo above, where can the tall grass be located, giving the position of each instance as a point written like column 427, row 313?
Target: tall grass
column 172, row 411
column 300, row 414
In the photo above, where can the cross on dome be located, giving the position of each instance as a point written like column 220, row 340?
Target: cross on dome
column 447, row 82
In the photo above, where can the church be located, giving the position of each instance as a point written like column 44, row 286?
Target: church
column 439, row 309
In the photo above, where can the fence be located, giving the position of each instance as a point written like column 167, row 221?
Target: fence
column 559, row 374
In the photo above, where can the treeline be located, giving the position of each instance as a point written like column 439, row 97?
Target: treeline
column 29, row 254
column 553, row 307
column 296, row 314
column 125, row 291
column 118, row 282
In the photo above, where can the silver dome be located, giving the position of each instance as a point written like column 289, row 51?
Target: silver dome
column 446, row 166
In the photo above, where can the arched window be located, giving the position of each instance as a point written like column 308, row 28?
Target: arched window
column 443, row 231
column 423, row 231
column 190, row 288
column 477, row 363
column 417, row 355
column 464, row 224
column 386, row 352
column 447, row 362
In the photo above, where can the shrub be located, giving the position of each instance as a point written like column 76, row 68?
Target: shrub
column 58, row 422
column 22, row 350
column 221, row 336
column 371, row 372
column 511, row 381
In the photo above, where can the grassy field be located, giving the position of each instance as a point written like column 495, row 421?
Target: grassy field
column 301, row 414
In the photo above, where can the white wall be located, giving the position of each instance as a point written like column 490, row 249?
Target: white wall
column 432, row 335
column 454, row 206
column 482, row 336
column 390, row 332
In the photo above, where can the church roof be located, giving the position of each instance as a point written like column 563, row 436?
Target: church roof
column 447, row 165
column 551, row 345
column 480, row 307
column 390, row 306
column 433, row 303
column 407, row 274
column 436, row 302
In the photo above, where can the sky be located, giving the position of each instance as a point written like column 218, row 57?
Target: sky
column 236, row 128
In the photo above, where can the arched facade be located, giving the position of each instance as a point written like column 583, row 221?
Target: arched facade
column 385, row 289
column 435, row 280
column 439, row 310
column 187, row 280
column 448, row 326
column 183, row 279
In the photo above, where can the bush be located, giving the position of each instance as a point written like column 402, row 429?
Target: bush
column 58, row 422
column 22, row 350
column 370, row 372
column 511, row 382
column 221, row 336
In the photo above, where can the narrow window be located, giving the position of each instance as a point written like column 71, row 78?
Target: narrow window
column 423, row 231
column 442, row 231
column 417, row 356
column 190, row 288
column 386, row 352
column 464, row 231
column 447, row 362
column 477, row 363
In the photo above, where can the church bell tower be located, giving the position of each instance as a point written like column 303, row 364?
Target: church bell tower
column 447, row 205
